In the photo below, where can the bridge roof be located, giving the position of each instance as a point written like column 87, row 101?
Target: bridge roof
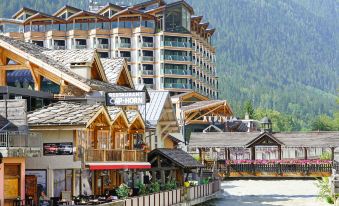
column 246, row 139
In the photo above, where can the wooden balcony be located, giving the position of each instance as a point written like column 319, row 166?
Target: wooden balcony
column 125, row 31
column 55, row 33
column 114, row 155
column 34, row 35
column 15, row 35
column 142, row 29
column 78, row 33
column 99, row 32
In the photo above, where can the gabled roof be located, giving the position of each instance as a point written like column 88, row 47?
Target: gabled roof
column 184, row 96
column 210, row 31
column 115, row 113
column 43, row 15
column 114, row 68
column 86, row 13
column 196, row 18
column 264, row 137
column 204, row 25
column 42, row 58
column 66, row 7
column 128, row 11
column 110, row 5
column 24, row 9
column 155, row 108
column 176, row 156
column 70, row 57
column 189, row 7
column 203, row 105
column 63, row 114
column 148, row 3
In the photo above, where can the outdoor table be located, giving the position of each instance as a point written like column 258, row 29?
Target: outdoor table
column 65, row 202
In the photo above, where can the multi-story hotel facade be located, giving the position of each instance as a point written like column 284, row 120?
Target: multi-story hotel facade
column 165, row 45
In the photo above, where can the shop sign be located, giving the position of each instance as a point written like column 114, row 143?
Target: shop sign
column 125, row 98
column 65, row 148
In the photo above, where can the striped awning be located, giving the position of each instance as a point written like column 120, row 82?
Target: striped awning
column 118, row 165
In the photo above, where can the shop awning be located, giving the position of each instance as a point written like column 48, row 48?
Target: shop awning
column 118, row 165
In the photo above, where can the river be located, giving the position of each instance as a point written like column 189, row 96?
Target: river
column 268, row 193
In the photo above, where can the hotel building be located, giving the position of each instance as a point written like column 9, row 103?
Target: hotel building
column 166, row 46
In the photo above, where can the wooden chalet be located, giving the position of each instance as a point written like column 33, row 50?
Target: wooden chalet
column 172, row 164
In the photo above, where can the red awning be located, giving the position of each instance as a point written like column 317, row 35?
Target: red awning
column 118, row 165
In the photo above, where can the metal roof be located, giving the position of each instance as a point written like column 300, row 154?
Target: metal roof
column 155, row 107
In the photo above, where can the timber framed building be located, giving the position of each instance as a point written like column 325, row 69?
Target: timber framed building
column 165, row 45
column 81, row 138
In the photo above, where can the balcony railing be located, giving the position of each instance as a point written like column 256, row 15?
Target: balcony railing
column 178, row 86
column 124, row 45
column 19, row 144
column 147, row 58
column 80, row 46
column 147, row 44
column 57, row 47
column 117, row 155
column 148, row 72
column 102, row 46
column 176, row 44
column 178, row 71
column 177, row 58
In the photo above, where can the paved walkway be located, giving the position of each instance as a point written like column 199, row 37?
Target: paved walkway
column 269, row 193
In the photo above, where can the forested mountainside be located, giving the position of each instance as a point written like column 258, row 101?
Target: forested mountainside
column 277, row 54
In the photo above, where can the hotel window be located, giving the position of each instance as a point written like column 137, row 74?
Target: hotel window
column 177, row 19
column 103, row 54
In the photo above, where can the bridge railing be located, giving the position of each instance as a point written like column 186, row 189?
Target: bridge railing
column 302, row 168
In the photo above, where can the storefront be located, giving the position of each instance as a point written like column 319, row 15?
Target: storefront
column 87, row 149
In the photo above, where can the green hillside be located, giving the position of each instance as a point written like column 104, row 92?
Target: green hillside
column 278, row 54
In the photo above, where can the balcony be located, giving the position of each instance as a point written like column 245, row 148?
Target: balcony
column 178, row 72
column 124, row 45
column 176, row 44
column 148, row 72
column 102, row 46
column 147, row 44
column 146, row 58
column 80, row 46
column 177, row 58
column 177, row 86
column 116, row 155
column 19, row 144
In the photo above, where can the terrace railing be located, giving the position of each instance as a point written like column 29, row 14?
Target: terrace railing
column 103, row 155
column 20, row 144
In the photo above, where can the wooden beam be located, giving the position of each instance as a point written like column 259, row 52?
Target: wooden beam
column 164, row 128
column 35, row 75
column 167, row 122
column 11, row 67
column 3, row 75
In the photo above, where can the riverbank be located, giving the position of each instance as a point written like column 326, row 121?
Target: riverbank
column 268, row 193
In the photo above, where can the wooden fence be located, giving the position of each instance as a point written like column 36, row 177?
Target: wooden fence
column 172, row 197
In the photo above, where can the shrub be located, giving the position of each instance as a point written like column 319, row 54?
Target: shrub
column 170, row 185
column 142, row 188
column 154, row 187
column 122, row 191
column 324, row 187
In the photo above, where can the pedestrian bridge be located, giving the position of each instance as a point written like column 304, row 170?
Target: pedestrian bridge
column 266, row 154
column 245, row 168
